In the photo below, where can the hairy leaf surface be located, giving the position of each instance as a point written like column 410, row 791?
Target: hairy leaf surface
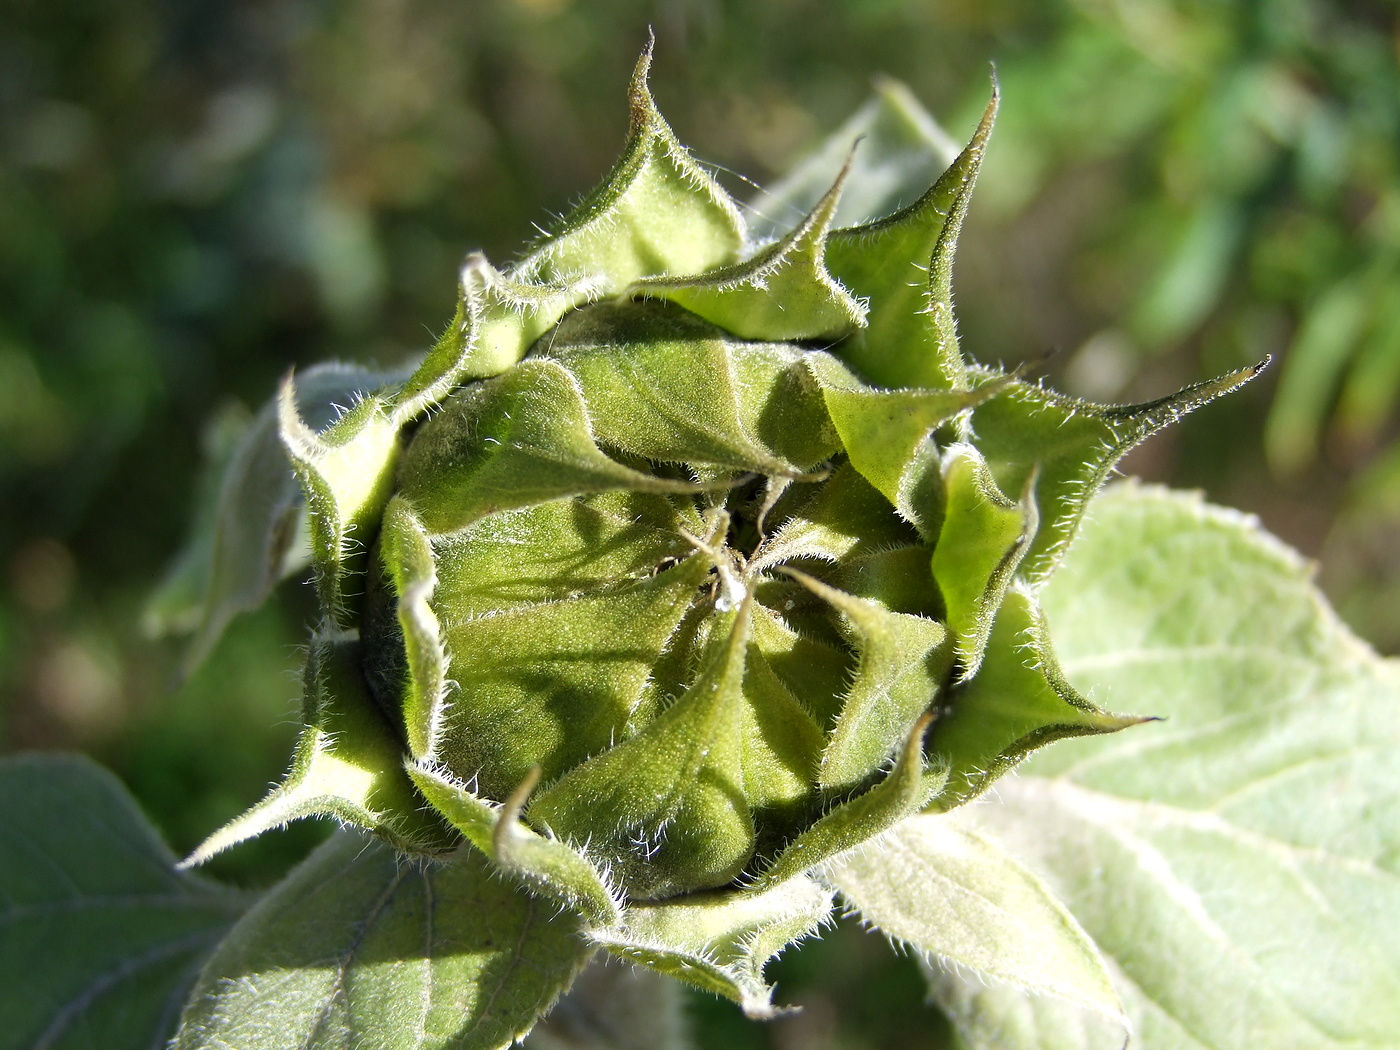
column 361, row 949
column 1239, row 862
column 969, row 907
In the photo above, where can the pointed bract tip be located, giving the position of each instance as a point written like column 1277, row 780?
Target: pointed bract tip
column 989, row 116
column 475, row 269
column 638, row 93
column 834, row 194
column 819, row 220
column 511, row 810
column 299, row 439
column 758, row 1009
column 1227, row 383
column 515, row 805
column 921, row 727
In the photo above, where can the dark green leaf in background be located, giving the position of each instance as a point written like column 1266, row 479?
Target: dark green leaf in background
column 251, row 532
column 100, row 935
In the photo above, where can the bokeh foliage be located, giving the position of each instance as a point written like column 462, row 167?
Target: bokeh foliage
column 196, row 197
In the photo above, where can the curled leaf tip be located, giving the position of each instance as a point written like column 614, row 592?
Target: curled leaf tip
column 639, row 93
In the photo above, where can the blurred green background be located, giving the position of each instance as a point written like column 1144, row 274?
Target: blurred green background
column 196, row 197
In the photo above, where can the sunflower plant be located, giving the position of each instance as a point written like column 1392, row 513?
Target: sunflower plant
column 689, row 589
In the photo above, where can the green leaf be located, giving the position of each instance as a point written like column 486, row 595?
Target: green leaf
column 550, row 684
column 346, row 473
column 1072, row 445
column 100, row 935
column 177, row 604
column 544, row 864
column 994, row 1016
column 782, row 293
column 903, row 267
column 983, row 539
column 497, row 319
column 899, row 150
column 249, row 538
column 660, row 383
column 517, row 440
column 1018, row 702
column 1239, row 862
column 348, row 765
column 885, row 434
column 405, row 554
column 358, row 948
column 967, row 905
column 573, row 546
column 720, row 942
column 904, row 790
column 668, row 808
column 846, row 517
column 903, row 663
column 657, row 213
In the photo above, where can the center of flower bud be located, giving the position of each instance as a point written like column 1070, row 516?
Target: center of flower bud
column 669, row 609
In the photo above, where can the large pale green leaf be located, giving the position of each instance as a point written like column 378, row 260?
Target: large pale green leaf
column 969, row 907
column 358, row 948
column 989, row 1015
column 1239, row 862
column 100, row 935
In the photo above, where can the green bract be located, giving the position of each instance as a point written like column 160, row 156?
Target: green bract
column 682, row 563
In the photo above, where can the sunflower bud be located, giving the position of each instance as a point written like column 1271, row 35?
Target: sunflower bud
column 684, row 562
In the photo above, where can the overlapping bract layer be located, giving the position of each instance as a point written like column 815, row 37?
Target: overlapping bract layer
column 683, row 563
